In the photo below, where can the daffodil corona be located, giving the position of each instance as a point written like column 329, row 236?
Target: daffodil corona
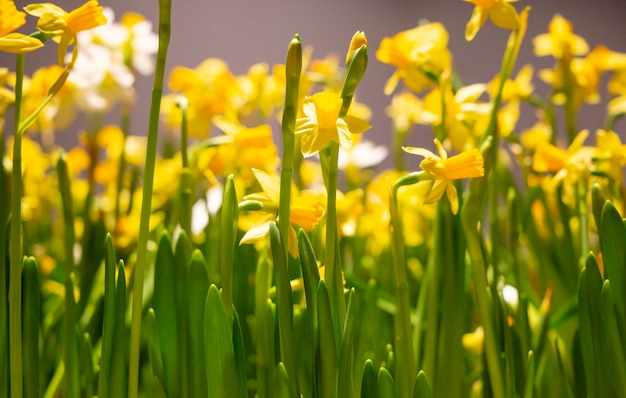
column 444, row 170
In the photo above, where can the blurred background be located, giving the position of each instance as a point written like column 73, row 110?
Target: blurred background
column 244, row 32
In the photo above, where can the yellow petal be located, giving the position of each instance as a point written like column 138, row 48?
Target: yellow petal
column 269, row 184
column 436, row 192
column 504, row 16
column 356, row 125
column 292, row 244
column 17, row 43
column 258, row 231
column 11, row 18
column 419, row 152
column 391, row 83
column 478, row 19
column 453, row 198
column 52, row 23
column 39, row 9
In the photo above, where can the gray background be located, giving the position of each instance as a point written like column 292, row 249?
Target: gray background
column 243, row 32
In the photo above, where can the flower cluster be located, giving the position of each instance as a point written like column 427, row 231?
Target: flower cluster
column 273, row 252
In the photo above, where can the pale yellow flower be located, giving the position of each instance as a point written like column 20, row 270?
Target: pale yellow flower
column 305, row 211
column 321, row 123
column 444, row 170
column 63, row 25
column 571, row 163
column 420, row 55
column 10, row 20
column 560, row 41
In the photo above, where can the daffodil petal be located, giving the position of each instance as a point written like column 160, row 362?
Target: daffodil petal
column 453, row 198
column 269, row 184
column 356, row 125
column 392, row 83
column 39, row 9
column 477, row 20
column 504, row 16
column 256, row 233
column 17, row 43
column 292, row 244
column 419, row 152
column 436, row 192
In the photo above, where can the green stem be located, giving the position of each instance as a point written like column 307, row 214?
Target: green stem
column 570, row 101
column 148, row 182
column 186, row 183
column 125, row 127
column 293, row 69
column 583, row 214
column 72, row 372
column 398, row 153
column 5, row 199
column 332, row 260
column 16, row 249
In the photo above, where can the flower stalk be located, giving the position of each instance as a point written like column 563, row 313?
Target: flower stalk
column 146, row 205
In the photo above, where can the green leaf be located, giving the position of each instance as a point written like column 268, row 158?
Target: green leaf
column 117, row 380
column 386, row 385
column 613, row 241
column 346, row 356
column 590, row 292
column 220, row 355
column 182, row 257
column 108, row 324
column 369, row 383
column 327, row 345
column 281, row 384
column 611, row 337
column 422, row 386
column 284, row 307
column 30, row 327
column 166, row 312
column 529, row 387
column 197, row 288
column 154, row 352
column 240, row 357
column 229, row 216
column 86, row 364
column 263, row 326
column 311, row 279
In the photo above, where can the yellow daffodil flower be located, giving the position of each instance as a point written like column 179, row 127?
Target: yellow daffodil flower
column 560, row 41
column 63, row 26
column 569, row 163
column 208, row 88
column 501, row 13
column 464, row 113
column 444, row 170
column 321, row 123
column 305, row 211
column 10, row 20
column 519, row 88
column 613, row 151
column 406, row 110
column 420, row 55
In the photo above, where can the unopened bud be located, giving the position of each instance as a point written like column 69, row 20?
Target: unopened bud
column 357, row 41
column 355, row 71
column 294, row 57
